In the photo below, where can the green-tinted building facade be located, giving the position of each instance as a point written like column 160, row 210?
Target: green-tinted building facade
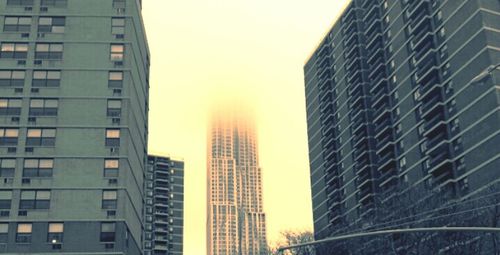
column 73, row 126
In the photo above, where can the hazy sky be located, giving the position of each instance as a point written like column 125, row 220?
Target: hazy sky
column 204, row 51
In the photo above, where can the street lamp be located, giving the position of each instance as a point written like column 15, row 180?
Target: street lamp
column 486, row 73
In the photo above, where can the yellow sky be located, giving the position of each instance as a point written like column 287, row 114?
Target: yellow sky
column 204, row 51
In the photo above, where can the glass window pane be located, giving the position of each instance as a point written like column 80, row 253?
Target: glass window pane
column 115, row 104
column 112, row 133
column 8, row 47
column 11, row 133
column 31, row 163
column 56, row 227
column 8, row 163
column 36, row 103
column 24, row 228
column 5, row 195
column 34, row 133
column 45, row 21
column 118, row 22
column 18, row 75
column 45, row 195
column 21, row 47
column 28, row 195
column 11, row 20
column 4, row 228
column 46, row 163
column 108, row 227
column 49, row 133
column 2, row 132
column 39, row 75
column 54, row 75
column 4, row 103
column 116, row 76
column 25, row 21
column 111, row 163
column 5, row 74
column 15, row 103
column 109, row 195
column 42, row 47
column 117, row 48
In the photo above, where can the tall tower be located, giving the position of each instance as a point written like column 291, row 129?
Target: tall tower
column 73, row 126
column 236, row 221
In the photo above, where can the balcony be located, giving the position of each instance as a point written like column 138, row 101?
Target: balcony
column 364, row 180
column 382, row 125
column 423, row 23
column 374, row 41
column 436, row 140
column 428, row 45
column 330, row 155
column 353, row 63
column 446, row 167
column 327, row 117
column 379, row 81
column 381, row 94
column 350, row 53
column 387, row 159
column 416, row 8
column 389, row 179
column 434, row 123
column 378, row 68
column 352, row 38
column 366, row 196
column 386, row 140
column 372, row 30
column 432, row 107
column 371, row 14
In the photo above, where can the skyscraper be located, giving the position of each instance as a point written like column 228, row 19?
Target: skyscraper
column 164, row 218
column 236, row 221
column 391, row 108
column 73, row 126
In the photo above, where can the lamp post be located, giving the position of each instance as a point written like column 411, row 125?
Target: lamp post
column 486, row 73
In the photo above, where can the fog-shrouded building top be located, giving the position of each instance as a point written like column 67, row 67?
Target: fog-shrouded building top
column 236, row 221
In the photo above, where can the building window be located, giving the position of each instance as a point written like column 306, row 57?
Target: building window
column 109, row 199
column 10, row 107
column 108, row 232
column 442, row 32
column 38, row 167
column 41, row 137
column 114, row 108
column 23, row 234
column 118, row 3
column 43, row 107
column 8, row 136
column 54, row 3
column 115, row 79
column 111, row 167
column 117, row 51
column 51, row 24
column 46, row 78
column 416, row 95
column 35, row 199
column 10, row 78
column 20, row 2
column 55, row 233
column 4, row 232
column 112, row 137
column 5, row 199
column 402, row 162
column 14, row 50
column 17, row 24
column 118, row 26
column 49, row 51
column 7, row 167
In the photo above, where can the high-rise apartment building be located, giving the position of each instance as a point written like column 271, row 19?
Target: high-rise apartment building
column 391, row 106
column 236, row 220
column 73, row 126
column 164, row 207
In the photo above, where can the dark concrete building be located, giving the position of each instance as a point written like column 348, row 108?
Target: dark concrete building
column 73, row 126
column 391, row 106
column 164, row 210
